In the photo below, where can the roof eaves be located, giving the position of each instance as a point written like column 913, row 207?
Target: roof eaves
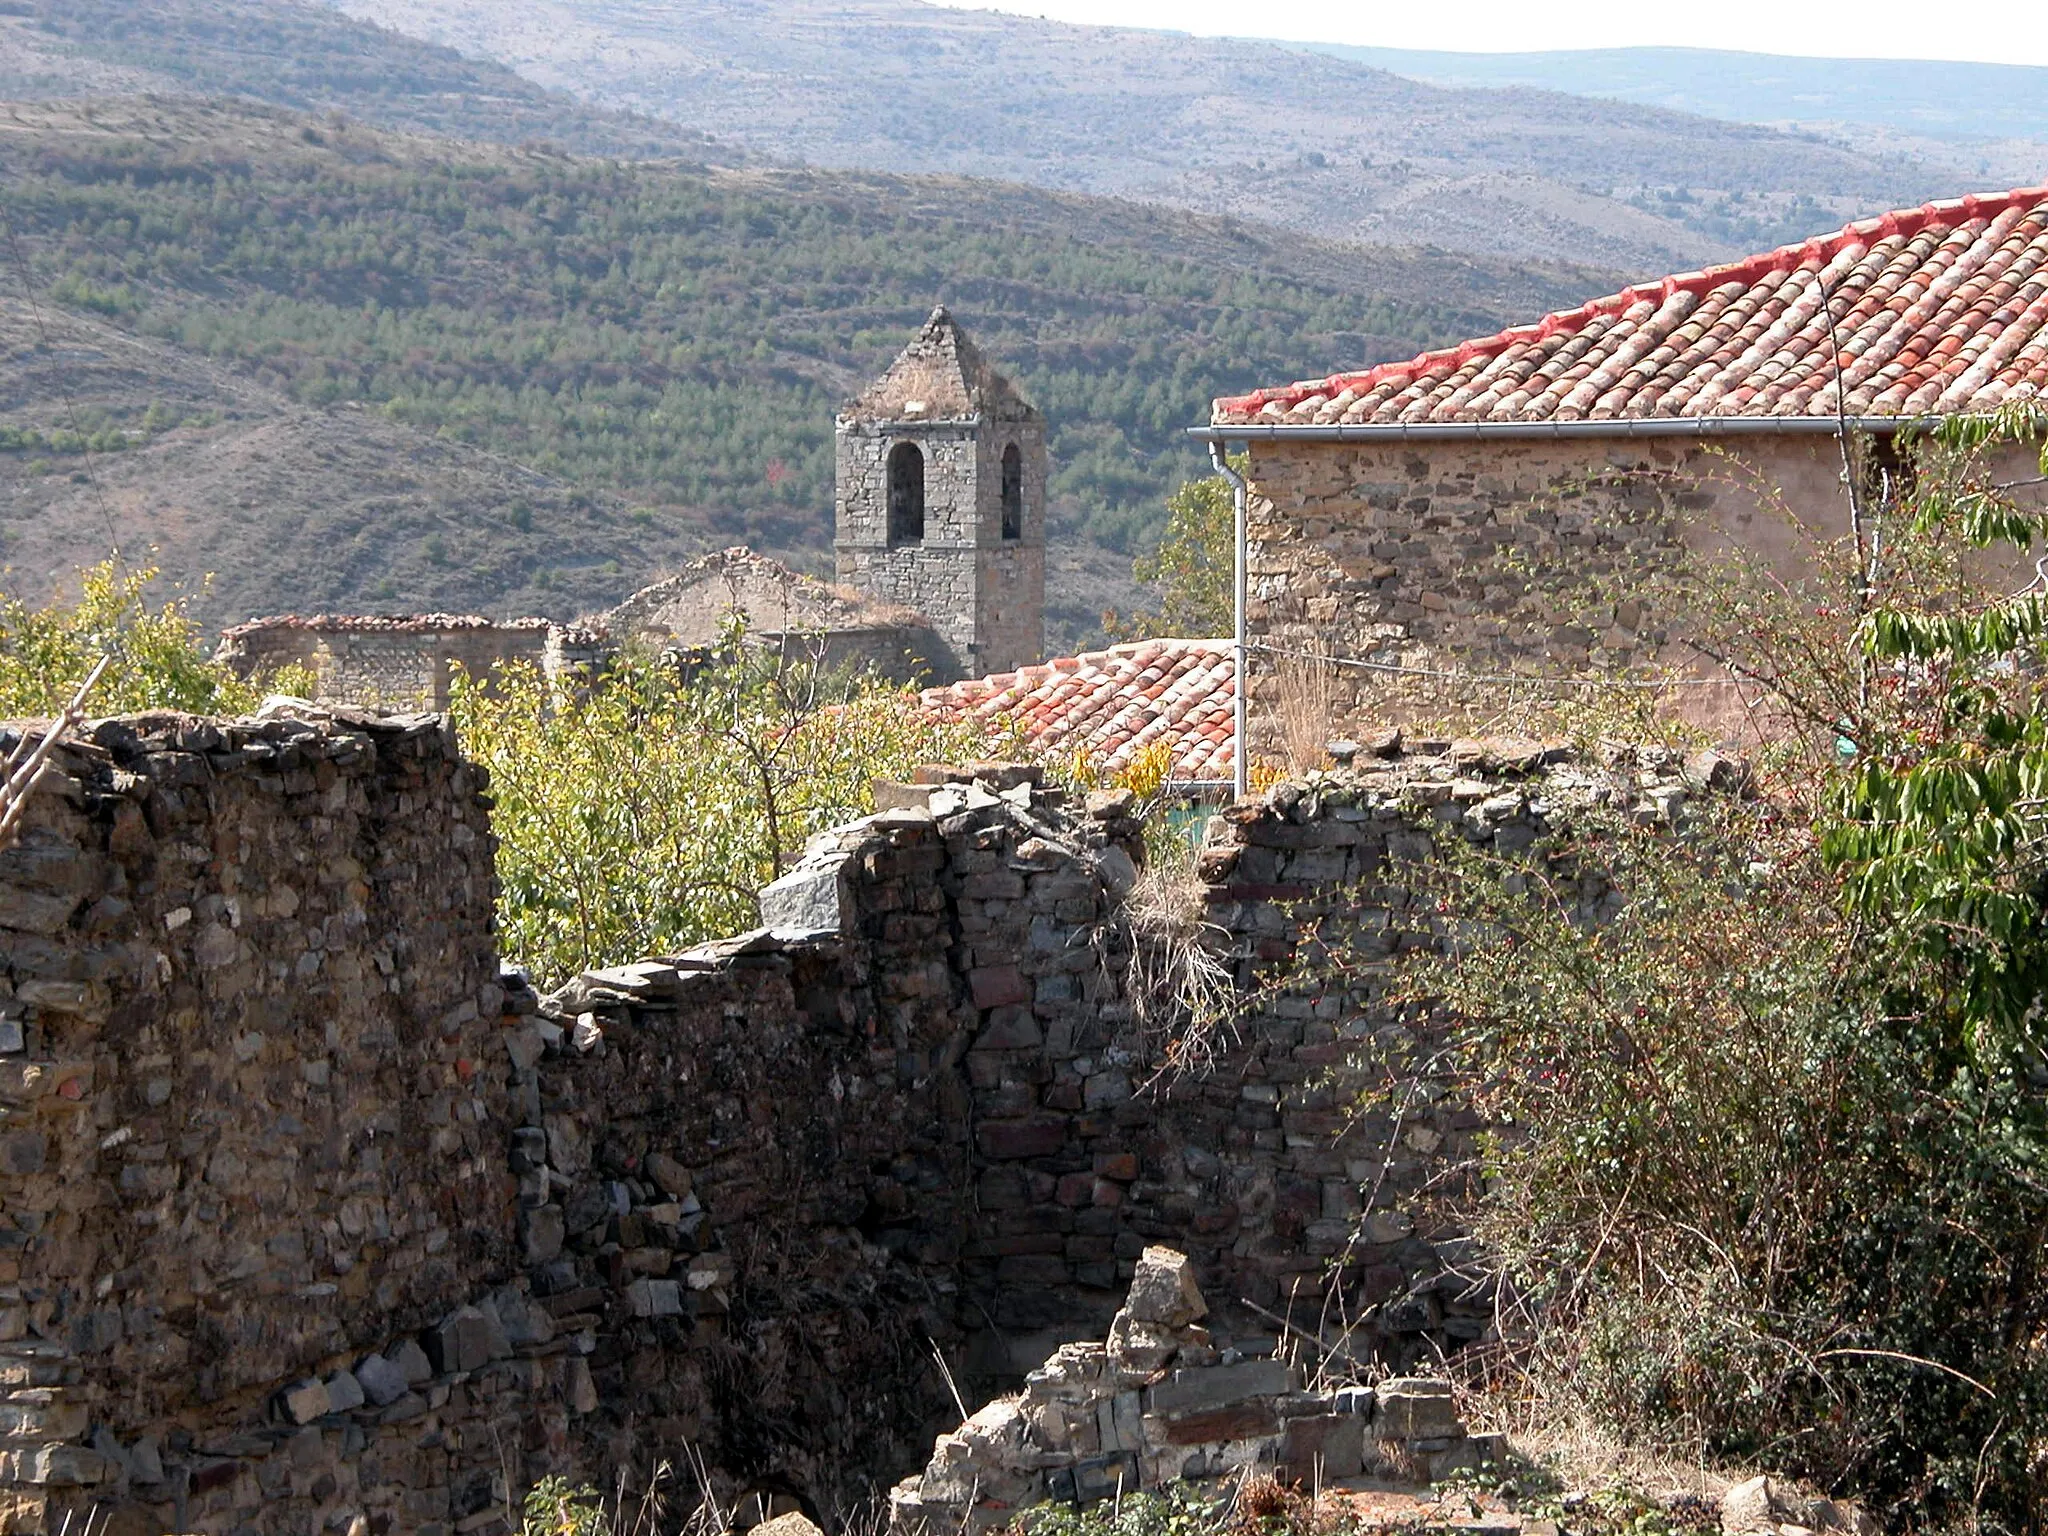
column 1817, row 251
column 1623, row 426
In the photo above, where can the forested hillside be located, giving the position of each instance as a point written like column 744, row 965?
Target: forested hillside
column 678, row 336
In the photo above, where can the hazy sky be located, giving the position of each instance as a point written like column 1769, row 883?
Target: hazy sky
column 1991, row 31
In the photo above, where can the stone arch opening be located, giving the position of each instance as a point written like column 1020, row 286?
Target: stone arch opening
column 1013, row 492
column 906, row 494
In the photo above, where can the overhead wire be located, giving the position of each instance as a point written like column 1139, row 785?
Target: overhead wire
column 1520, row 679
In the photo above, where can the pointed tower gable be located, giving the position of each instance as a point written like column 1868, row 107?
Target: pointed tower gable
column 940, row 376
column 940, row 501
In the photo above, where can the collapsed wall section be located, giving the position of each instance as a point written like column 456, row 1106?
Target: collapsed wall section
column 312, row 1219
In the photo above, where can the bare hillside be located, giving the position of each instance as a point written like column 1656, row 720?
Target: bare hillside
column 307, row 57
column 1246, row 129
column 283, row 506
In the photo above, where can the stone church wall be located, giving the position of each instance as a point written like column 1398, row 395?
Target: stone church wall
column 311, row 1220
column 935, row 576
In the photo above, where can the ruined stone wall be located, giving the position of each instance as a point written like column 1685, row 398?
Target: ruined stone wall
column 245, row 977
column 309, row 1216
column 397, row 665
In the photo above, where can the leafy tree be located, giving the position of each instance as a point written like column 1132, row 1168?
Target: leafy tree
column 160, row 657
column 1944, row 816
column 642, row 814
column 1194, row 565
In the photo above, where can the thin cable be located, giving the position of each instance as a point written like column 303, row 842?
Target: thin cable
column 70, row 405
column 1521, row 678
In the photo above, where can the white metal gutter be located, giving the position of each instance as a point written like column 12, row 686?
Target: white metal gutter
column 1638, row 426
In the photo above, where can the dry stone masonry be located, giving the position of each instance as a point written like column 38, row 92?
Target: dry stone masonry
column 313, row 1217
column 1163, row 1399
column 404, row 662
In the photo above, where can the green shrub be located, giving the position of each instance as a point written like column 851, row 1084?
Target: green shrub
column 641, row 816
column 1751, row 1205
column 161, row 657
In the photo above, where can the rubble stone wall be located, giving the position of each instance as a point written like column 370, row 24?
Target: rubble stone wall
column 1516, row 556
column 394, row 667
column 309, row 1216
column 245, row 977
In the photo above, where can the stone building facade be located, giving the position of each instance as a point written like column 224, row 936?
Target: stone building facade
column 940, row 501
column 404, row 661
column 1526, row 503
column 1514, row 556
column 840, row 628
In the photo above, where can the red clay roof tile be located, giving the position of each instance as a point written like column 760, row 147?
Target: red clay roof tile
column 1114, row 703
column 1940, row 308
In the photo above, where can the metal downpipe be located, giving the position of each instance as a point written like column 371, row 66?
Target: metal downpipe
column 1240, row 746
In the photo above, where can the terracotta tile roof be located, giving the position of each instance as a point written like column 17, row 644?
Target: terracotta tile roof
column 1114, row 702
column 1938, row 309
column 382, row 623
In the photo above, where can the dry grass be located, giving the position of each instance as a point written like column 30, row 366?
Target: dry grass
column 1560, row 1437
column 1305, row 706
column 1182, row 991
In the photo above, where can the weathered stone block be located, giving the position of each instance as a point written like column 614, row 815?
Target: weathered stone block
column 655, row 1298
column 383, row 1382
column 998, row 986
column 1040, row 1136
column 1238, row 1421
column 542, row 1233
column 344, row 1392
column 1416, row 1408
column 1324, row 1446
column 462, row 1341
column 1163, row 1289
column 1211, row 1386
column 411, row 1360
column 305, row 1402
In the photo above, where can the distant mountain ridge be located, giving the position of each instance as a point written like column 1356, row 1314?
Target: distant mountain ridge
column 1254, row 131
column 344, row 368
column 1929, row 97
column 305, row 57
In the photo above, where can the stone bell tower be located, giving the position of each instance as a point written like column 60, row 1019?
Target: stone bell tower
column 941, row 500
